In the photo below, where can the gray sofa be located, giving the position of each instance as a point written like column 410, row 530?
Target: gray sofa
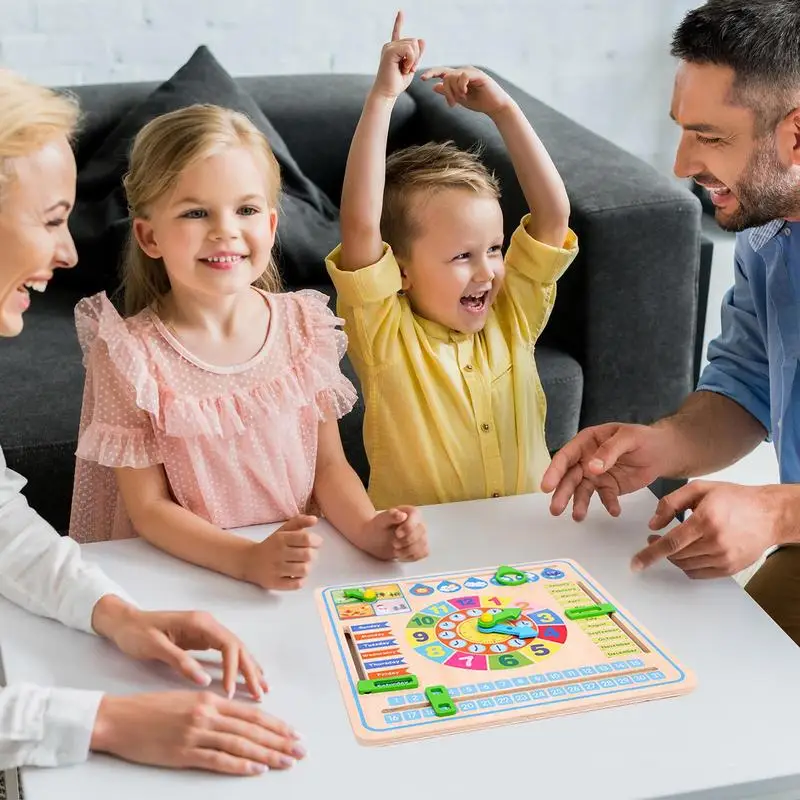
column 621, row 341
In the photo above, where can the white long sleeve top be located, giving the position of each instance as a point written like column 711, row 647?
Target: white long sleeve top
column 45, row 574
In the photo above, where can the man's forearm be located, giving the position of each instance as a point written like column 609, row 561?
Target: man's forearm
column 709, row 432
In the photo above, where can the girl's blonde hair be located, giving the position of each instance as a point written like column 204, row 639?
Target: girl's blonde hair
column 161, row 151
column 30, row 117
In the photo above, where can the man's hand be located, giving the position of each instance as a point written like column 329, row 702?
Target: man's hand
column 729, row 529
column 167, row 635
column 611, row 459
column 470, row 88
column 399, row 60
column 397, row 534
column 283, row 560
column 194, row 730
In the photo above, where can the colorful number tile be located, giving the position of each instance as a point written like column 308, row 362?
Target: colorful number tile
column 392, row 719
column 438, row 609
column 508, row 661
column 640, row 678
column 467, row 601
column 397, row 700
column 553, row 633
column 574, row 688
column 486, row 687
column 504, row 684
column 636, row 662
column 470, row 688
column 468, row 705
column 466, row 660
column 591, row 686
column 620, row 665
column 607, row 683
column 486, row 702
column 571, row 673
column 504, row 700
column 428, row 712
column 538, row 678
column 412, row 715
column 539, row 694
column 588, row 671
column 546, row 616
column 657, row 676
column 435, row 652
column 555, row 676
column 521, row 697
column 604, row 668
column 415, row 698
column 557, row 691
column 520, row 681
column 454, row 692
column 422, row 621
column 624, row 681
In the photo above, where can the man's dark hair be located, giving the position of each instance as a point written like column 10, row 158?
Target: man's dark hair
column 759, row 40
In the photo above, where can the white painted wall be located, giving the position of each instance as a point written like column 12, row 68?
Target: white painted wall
column 605, row 63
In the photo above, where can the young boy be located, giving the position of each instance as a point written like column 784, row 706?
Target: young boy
column 441, row 328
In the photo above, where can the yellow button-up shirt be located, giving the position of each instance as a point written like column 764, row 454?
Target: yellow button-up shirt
column 451, row 416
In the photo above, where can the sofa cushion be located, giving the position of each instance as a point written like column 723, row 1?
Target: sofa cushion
column 308, row 226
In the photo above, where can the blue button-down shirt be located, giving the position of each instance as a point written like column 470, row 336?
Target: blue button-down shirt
column 754, row 359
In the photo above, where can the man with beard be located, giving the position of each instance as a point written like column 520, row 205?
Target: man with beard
column 737, row 101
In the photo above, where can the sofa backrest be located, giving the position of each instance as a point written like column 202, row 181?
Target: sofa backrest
column 315, row 114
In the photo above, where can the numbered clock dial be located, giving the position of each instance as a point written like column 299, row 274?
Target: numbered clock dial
column 448, row 633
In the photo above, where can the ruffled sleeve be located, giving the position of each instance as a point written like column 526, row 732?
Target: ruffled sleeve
column 323, row 346
column 120, row 399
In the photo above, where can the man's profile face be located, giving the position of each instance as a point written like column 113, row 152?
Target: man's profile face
column 748, row 182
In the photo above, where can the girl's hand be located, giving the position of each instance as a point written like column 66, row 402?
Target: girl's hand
column 283, row 560
column 398, row 534
column 399, row 60
column 470, row 88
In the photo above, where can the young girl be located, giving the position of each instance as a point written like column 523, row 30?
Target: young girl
column 214, row 403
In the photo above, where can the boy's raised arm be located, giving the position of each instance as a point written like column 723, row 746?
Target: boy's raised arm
column 537, row 175
column 364, row 179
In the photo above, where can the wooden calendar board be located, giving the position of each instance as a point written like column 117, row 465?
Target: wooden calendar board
column 429, row 627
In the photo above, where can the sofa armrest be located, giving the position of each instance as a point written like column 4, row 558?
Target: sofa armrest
column 627, row 308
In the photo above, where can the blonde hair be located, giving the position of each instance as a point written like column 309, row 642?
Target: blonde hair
column 30, row 117
column 161, row 151
column 427, row 168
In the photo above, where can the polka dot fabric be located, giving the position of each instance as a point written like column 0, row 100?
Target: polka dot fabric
column 238, row 444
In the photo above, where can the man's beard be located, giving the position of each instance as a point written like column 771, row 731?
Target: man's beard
column 767, row 190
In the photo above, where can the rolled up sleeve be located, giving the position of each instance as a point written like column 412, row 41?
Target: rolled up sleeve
column 45, row 727
column 738, row 365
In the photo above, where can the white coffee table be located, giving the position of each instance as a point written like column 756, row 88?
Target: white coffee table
column 735, row 736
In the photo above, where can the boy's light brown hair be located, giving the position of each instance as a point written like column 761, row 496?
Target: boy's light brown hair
column 415, row 173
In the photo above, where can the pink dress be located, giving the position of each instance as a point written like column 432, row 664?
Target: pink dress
column 238, row 444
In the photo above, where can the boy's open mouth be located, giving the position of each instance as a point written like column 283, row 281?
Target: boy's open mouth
column 475, row 302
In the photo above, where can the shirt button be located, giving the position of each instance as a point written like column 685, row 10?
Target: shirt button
column 486, row 427
column 787, row 231
column 468, row 368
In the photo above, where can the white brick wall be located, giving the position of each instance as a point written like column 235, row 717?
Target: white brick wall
column 604, row 63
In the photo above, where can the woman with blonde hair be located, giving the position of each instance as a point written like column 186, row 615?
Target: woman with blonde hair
column 45, row 573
